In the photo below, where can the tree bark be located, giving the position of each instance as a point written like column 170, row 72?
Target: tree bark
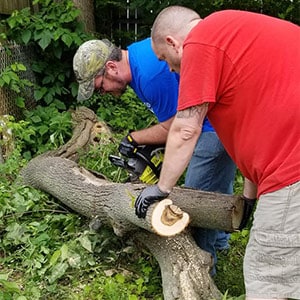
column 184, row 266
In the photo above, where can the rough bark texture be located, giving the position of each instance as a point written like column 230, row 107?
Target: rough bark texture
column 184, row 266
column 96, row 197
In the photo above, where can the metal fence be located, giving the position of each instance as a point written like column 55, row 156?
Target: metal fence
column 9, row 54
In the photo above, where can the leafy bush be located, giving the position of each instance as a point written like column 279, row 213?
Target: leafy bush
column 54, row 32
column 121, row 114
column 10, row 79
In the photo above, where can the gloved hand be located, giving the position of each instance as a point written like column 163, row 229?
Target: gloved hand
column 248, row 208
column 148, row 196
column 128, row 146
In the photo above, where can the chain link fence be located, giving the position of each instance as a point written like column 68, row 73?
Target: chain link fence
column 13, row 53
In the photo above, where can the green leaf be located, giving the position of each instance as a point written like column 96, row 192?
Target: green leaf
column 4, row 276
column 120, row 278
column 48, row 98
column 67, row 39
column 57, row 34
column 20, row 102
column 54, row 258
column 39, row 94
column 59, row 104
column 43, row 129
column 86, row 243
column 36, row 119
column 10, row 286
column 26, row 36
column 21, row 298
column 6, row 78
column 11, row 22
column 15, row 233
column 64, row 252
column 45, row 41
column 21, row 67
column 57, row 52
column 58, row 271
column 74, row 260
column 47, row 79
column 14, row 67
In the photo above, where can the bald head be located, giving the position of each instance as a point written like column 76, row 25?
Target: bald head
column 173, row 20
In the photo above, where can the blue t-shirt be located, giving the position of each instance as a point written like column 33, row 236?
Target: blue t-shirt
column 153, row 82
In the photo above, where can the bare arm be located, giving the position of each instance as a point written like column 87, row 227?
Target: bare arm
column 183, row 135
column 156, row 134
column 250, row 189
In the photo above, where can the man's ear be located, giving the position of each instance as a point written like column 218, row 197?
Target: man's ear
column 170, row 40
column 173, row 42
column 111, row 65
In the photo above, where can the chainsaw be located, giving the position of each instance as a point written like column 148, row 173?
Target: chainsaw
column 145, row 165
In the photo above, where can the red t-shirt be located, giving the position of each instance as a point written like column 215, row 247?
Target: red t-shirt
column 247, row 66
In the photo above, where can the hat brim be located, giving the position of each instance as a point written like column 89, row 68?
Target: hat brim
column 85, row 90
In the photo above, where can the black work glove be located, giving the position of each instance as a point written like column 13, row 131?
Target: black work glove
column 128, row 146
column 148, row 196
column 248, row 208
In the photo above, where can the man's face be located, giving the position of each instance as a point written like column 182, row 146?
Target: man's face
column 170, row 53
column 110, row 82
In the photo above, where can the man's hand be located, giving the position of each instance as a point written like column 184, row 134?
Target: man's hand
column 248, row 208
column 148, row 196
column 128, row 146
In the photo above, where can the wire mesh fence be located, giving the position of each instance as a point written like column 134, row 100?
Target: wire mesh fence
column 13, row 53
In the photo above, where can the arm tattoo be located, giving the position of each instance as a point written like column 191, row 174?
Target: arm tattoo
column 191, row 111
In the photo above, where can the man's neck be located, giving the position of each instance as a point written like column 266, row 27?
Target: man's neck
column 126, row 66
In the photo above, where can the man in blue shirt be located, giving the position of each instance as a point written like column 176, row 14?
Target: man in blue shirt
column 102, row 67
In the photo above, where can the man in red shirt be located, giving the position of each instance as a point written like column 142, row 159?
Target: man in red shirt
column 242, row 70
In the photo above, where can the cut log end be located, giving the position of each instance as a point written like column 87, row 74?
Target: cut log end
column 168, row 219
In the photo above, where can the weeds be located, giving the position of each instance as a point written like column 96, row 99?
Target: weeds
column 49, row 252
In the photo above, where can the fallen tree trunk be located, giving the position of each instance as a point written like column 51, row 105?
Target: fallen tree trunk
column 95, row 197
column 184, row 266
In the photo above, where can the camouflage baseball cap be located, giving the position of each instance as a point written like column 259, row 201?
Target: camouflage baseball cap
column 88, row 60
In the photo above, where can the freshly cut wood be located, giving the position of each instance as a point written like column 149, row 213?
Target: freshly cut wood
column 168, row 219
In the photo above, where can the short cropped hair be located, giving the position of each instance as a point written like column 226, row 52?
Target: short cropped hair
column 172, row 20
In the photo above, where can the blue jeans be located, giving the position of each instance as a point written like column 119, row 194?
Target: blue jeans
column 211, row 169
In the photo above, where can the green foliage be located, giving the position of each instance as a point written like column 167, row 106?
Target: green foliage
column 124, row 113
column 230, row 265
column 10, row 79
column 238, row 183
column 96, row 159
column 44, row 128
column 55, row 33
column 229, row 278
